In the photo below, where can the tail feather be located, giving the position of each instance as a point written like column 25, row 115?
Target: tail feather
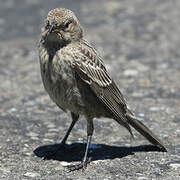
column 146, row 132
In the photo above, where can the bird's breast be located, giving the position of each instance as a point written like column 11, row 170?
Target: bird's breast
column 60, row 83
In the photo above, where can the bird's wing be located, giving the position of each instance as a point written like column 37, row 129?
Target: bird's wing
column 91, row 69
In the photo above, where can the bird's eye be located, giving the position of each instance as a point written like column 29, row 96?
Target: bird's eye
column 66, row 25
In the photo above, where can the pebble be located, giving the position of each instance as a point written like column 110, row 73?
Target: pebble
column 12, row 110
column 142, row 178
column 137, row 94
column 130, row 72
column 34, row 138
column 31, row 174
column 51, row 126
column 28, row 153
column 98, row 161
column 154, row 108
column 49, row 134
column 53, row 130
column 64, row 163
column 32, row 134
column 48, row 140
column 175, row 166
column 141, row 114
column 68, row 142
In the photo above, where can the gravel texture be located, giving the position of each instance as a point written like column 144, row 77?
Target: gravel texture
column 139, row 41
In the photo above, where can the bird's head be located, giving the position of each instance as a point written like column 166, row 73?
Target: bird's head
column 61, row 26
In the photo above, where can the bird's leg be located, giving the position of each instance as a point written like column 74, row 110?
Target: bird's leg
column 90, row 129
column 75, row 118
column 85, row 161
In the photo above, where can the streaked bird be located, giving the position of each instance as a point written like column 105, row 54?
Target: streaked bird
column 76, row 79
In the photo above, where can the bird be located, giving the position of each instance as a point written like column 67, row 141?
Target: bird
column 76, row 79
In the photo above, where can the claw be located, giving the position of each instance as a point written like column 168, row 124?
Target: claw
column 75, row 167
column 82, row 165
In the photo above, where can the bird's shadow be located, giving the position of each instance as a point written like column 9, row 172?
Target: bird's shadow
column 75, row 151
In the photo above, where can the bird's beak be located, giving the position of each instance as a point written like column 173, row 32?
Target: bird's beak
column 52, row 26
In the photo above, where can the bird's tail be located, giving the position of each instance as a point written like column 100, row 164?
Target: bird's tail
column 143, row 130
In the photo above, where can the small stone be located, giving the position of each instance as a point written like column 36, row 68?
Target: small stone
column 175, row 166
column 130, row 72
column 97, row 161
column 53, row 130
column 49, row 134
column 34, row 138
column 48, row 140
column 64, row 163
column 28, row 153
column 32, row 134
column 12, row 110
column 154, row 109
column 137, row 94
column 142, row 178
column 51, row 126
column 68, row 142
column 31, row 174
column 80, row 140
column 39, row 111
column 141, row 114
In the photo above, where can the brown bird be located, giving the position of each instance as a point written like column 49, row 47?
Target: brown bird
column 76, row 79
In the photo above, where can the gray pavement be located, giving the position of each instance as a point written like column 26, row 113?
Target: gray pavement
column 139, row 41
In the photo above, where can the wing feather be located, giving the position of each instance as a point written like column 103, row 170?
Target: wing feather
column 92, row 70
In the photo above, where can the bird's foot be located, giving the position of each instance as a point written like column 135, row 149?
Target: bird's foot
column 79, row 166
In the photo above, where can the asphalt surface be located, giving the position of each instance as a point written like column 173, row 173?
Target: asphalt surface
column 139, row 41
